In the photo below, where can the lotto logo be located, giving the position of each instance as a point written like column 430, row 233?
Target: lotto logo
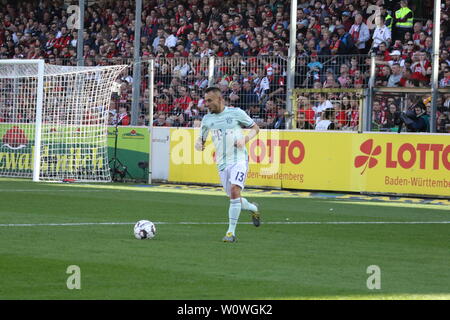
column 425, row 156
column 368, row 159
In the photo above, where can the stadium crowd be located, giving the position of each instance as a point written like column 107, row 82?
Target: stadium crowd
column 250, row 39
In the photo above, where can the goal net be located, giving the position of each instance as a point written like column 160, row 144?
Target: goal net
column 340, row 106
column 53, row 120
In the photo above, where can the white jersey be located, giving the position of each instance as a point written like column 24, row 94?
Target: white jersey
column 381, row 34
column 226, row 128
column 323, row 125
column 320, row 108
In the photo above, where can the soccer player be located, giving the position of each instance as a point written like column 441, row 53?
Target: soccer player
column 225, row 125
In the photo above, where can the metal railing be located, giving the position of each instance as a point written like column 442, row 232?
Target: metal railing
column 258, row 85
column 254, row 84
column 390, row 105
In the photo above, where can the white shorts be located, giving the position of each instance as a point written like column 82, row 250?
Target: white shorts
column 233, row 174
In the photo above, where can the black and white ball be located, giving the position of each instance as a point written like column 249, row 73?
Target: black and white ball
column 144, row 229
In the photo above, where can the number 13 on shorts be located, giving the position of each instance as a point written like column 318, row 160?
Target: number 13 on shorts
column 233, row 174
column 240, row 176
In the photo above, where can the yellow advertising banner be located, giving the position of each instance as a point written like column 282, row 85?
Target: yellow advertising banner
column 334, row 161
column 188, row 164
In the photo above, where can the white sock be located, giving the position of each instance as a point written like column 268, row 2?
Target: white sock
column 233, row 214
column 247, row 205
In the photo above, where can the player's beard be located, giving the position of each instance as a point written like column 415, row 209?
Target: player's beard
column 216, row 109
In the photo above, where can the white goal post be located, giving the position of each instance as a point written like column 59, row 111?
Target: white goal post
column 53, row 120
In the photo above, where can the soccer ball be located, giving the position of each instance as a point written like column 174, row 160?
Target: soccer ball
column 144, row 229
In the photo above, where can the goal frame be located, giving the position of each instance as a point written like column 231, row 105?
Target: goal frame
column 65, row 109
column 39, row 101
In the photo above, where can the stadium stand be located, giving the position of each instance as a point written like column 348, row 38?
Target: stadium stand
column 249, row 39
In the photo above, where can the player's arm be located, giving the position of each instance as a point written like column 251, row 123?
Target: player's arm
column 200, row 143
column 252, row 133
column 254, row 129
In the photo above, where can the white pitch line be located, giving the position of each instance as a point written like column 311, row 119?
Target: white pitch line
column 212, row 223
column 63, row 224
column 54, row 190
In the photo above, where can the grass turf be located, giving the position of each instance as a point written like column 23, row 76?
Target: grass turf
column 188, row 261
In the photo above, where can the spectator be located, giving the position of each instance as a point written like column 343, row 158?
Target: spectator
column 324, row 48
column 305, row 106
column 406, row 77
column 314, row 68
column 234, row 94
column 171, row 39
column 345, row 44
column 360, row 34
column 346, row 106
column 244, row 49
column 445, row 81
column 383, row 76
column 421, row 68
column 396, row 76
column 326, row 120
column 183, row 99
column 314, row 25
column 276, row 83
column 417, row 30
column 444, row 57
column 177, row 120
column 302, row 123
column 257, row 114
column 162, row 103
column 382, row 34
column 330, row 81
column 358, row 80
column 278, row 49
column 270, row 107
column 446, row 105
column 182, row 69
column 123, row 119
column 344, row 79
column 409, row 49
column 302, row 21
column 403, row 20
column 184, row 28
column 383, row 52
column 160, row 121
column 62, row 39
column 279, row 20
column 324, row 104
column 160, row 39
column 353, row 115
column 378, row 116
column 346, row 21
column 392, row 119
column 141, row 120
column 428, row 45
column 340, row 117
column 247, row 97
column 279, row 122
column 396, row 57
column 416, row 119
column 443, row 123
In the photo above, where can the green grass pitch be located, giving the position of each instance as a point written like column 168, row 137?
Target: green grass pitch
column 303, row 250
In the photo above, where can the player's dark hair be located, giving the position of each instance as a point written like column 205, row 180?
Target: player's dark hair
column 328, row 113
column 213, row 89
